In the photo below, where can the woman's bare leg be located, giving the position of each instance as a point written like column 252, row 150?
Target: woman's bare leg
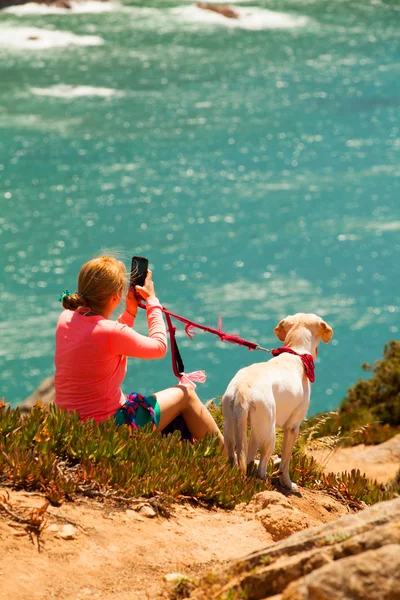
column 182, row 400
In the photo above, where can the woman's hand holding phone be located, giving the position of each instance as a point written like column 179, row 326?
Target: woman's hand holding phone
column 147, row 290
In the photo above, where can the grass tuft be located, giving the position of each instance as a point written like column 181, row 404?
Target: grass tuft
column 58, row 454
column 370, row 413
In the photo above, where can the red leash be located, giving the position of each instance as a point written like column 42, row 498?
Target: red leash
column 177, row 363
column 224, row 337
column 200, row 376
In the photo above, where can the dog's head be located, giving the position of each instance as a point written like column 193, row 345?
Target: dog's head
column 304, row 329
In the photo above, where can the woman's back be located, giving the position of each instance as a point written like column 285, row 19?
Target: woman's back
column 88, row 372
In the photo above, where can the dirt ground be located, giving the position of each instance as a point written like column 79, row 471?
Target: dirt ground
column 119, row 554
column 380, row 462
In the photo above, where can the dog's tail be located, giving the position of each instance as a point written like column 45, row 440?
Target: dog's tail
column 235, row 409
column 241, row 417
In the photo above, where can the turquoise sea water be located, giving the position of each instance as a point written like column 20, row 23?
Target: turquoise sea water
column 255, row 162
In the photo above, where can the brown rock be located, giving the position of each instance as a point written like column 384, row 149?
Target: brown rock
column 264, row 500
column 68, row 532
column 174, row 577
column 373, row 575
column 278, row 515
column 356, row 557
column 281, row 522
column 58, row 3
column 225, row 11
column 44, row 394
column 147, row 511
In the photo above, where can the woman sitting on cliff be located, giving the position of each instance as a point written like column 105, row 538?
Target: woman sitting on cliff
column 92, row 350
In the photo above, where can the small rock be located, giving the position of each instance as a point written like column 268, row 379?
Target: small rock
column 174, row 577
column 44, row 394
column 53, row 527
column 280, row 522
column 133, row 514
column 264, row 500
column 225, row 11
column 147, row 511
column 68, row 532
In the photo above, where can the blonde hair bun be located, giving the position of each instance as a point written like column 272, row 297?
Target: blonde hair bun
column 73, row 301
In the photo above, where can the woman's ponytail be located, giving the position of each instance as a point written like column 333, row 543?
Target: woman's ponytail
column 73, row 301
column 98, row 280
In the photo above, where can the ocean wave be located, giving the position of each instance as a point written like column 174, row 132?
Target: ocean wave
column 361, row 227
column 34, row 339
column 277, row 296
column 382, row 226
column 30, row 122
column 220, row 2
column 250, row 18
column 92, row 6
column 76, row 91
column 42, row 39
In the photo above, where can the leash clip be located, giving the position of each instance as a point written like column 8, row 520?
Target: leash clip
column 258, row 347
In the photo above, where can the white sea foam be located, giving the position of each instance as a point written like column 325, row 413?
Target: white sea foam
column 76, row 7
column 359, row 227
column 348, row 237
column 284, row 185
column 76, row 91
column 389, row 226
column 251, row 18
column 42, row 39
column 29, row 122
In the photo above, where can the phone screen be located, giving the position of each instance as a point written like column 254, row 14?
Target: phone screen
column 138, row 270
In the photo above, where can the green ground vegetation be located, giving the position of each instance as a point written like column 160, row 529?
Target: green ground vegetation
column 370, row 413
column 54, row 452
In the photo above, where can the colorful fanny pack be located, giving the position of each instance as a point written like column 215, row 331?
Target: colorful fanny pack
column 130, row 406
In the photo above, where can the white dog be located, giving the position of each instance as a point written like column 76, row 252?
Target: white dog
column 273, row 394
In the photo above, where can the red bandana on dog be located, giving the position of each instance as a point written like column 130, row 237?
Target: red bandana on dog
column 307, row 360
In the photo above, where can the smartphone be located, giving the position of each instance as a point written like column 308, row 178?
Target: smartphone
column 138, row 270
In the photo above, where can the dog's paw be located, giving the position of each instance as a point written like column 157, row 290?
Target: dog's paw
column 286, row 483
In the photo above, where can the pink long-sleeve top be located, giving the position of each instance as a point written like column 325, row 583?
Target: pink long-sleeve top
column 91, row 358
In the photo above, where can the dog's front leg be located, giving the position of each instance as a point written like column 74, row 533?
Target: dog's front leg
column 289, row 437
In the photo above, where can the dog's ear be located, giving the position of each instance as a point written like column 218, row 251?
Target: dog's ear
column 325, row 332
column 282, row 329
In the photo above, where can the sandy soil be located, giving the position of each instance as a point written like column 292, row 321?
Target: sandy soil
column 119, row 554
column 381, row 462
